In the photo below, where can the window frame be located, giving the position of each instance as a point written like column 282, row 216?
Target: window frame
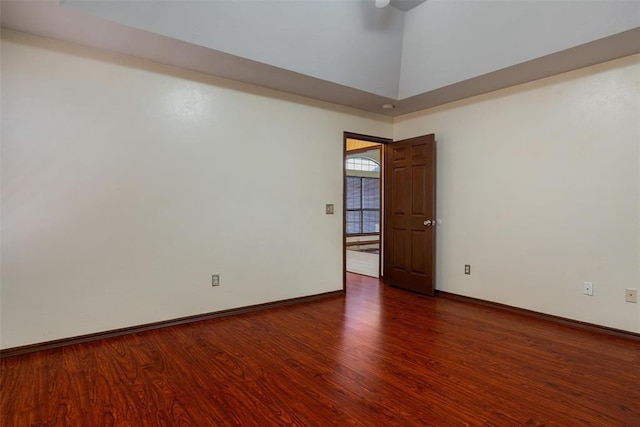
column 362, row 209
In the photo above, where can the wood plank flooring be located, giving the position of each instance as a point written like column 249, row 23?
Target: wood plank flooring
column 379, row 357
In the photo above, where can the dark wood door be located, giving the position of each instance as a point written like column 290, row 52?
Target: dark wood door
column 410, row 210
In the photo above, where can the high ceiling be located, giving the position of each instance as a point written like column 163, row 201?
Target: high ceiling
column 413, row 55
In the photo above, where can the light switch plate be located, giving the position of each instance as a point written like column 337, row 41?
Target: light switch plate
column 329, row 209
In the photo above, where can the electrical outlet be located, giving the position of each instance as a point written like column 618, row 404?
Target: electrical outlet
column 588, row 288
column 215, row 280
column 467, row 269
column 631, row 295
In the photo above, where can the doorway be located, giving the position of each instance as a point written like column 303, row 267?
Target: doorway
column 363, row 204
column 389, row 210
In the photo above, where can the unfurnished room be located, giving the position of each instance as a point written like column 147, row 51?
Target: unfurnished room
column 320, row 213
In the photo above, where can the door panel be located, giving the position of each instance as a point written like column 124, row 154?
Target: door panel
column 418, row 252
column 398, row 243
column 399, row 205
column 418, row 202
column 410, row 195
column 399, row 154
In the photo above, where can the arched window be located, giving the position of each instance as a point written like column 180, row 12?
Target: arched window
column 362, row 164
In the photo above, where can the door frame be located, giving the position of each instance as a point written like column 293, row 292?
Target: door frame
column 367, row 138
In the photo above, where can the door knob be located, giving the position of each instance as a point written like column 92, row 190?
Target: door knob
column 427, row 222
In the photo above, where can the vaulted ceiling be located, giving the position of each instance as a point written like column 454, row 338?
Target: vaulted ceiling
column 414, row 55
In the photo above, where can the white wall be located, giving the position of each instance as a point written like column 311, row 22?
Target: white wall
column 126, row 184
column 449, row 41
column 539, row 190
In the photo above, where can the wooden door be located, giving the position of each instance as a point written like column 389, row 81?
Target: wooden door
column 410, row 210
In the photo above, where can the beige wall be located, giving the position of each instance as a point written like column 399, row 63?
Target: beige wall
column 121, row 192
column 539, row 190
column 127, row 184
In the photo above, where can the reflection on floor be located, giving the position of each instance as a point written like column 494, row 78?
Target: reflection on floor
column 363, row 263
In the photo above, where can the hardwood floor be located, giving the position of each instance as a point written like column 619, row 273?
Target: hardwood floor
column 379, row 357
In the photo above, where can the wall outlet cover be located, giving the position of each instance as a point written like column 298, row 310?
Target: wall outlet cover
column 588, row 288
